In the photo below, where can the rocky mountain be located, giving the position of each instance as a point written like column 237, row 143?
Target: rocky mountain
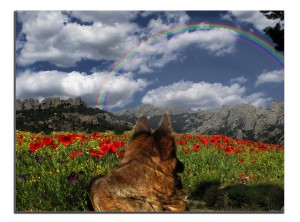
column 150, row 111
column 47, row 103
column 54, row 114
column 242, row 121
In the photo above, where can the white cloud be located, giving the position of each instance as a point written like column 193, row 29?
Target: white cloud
column 217, row 42
column 240, row 79
column 51, row 37
column 54, row 83
column 202, row 95
column 276, row 76
column 257, row 19
column 166, row 21
column 104, row 17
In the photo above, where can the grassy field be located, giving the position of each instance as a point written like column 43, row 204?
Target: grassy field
column 221, row 173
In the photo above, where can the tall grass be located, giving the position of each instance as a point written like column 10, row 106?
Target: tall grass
column 221, row 173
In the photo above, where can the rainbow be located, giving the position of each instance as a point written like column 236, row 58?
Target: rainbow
column 248, row 37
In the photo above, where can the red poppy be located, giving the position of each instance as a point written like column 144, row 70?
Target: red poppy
column 94, row 153
column 182, row 142
column 204, row 141
column 120, row 154
column 66, row 139
column 47, row 141
column 73, row 155
column 35, row 146
column 20, row 138
column 117, row 144
column 104, row 148
column 185, row 150
column 214, row 140
column 229, row 149
column 108, row 148
column 242, row 160
column 197, row 147
column 54, row 146
column 96, row 135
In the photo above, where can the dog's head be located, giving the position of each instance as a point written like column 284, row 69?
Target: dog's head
column 160, row 143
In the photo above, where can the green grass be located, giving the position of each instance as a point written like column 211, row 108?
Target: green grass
column 221, row 173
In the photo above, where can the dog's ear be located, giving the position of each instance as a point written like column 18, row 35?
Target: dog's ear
column 163, row 136
column 165, row 124
column 142, row 126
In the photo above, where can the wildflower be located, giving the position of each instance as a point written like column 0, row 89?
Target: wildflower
column 182, row 142
column 229, row 149
column 20, row 138
column 38, row 159
column 120, row 154
column 35, row 146
column 214, row 140
column 108, row 148
column 185, row 150
column 204, row 141
column 94, row 153
column 22, row 177
column 47, row 141
column 66, row 139
column 73, row 155
column 242, row 160
column 117, row 144
column 73, row 178
column 197, row 147
column 54, row 146
column 104, row 148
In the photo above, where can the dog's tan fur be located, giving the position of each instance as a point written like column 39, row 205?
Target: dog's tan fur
column 146, row 178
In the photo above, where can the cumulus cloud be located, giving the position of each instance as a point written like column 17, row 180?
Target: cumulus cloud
column 50, row 36
column 276, row 76
column 54, row 37
column 257, row 19
column 202, row 95
column 104, row 17
column 217, row 42
column 240, row 79
column 61, row 84
column 166, row 21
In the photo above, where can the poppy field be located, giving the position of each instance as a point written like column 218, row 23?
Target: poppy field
column 221, row 173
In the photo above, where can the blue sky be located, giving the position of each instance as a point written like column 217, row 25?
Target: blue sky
column 68, row 54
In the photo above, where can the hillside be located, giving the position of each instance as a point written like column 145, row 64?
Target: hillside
column 53, row 114
column 241, row 121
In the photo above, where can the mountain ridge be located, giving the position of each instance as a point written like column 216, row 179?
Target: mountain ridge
column 242, row 121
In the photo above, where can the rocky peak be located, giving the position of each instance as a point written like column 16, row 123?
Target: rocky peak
column 149, row 110
column 47, row 103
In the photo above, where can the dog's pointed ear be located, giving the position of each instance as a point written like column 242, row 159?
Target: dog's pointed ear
column 163, row 137
column 165, row 124
column 142, row 126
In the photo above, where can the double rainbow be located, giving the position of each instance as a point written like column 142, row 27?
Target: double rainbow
column 248, row 37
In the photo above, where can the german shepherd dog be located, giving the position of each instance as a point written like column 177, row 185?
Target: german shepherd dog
column 146, row 178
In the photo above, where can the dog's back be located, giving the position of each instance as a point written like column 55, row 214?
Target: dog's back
column 146, row 178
